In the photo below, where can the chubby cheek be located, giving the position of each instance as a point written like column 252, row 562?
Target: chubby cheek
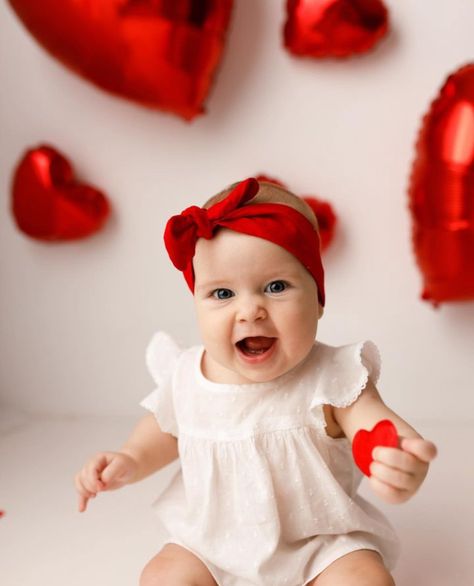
column 300, row 326
column 216, row 332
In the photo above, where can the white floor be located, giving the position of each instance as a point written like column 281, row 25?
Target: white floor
column 44, row 541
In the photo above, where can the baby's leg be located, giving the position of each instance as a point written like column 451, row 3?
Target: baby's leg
column 176, row 566
column 358, row 568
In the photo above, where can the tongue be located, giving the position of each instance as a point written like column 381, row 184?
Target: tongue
column 258, row 343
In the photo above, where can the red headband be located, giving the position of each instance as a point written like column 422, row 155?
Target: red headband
column 276, row 222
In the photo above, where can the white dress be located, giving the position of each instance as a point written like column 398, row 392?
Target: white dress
column 264, row 497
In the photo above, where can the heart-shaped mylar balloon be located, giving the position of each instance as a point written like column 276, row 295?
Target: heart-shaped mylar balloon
column 161, row 54
column 323, row 211
column 441, row 192
column 327, row 219
column 49, row 204
column 334, row 28
column 383, row 434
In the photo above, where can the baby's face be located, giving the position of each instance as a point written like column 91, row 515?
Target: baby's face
column 257, row 308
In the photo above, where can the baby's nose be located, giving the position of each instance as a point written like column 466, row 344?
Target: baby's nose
column 251, row 309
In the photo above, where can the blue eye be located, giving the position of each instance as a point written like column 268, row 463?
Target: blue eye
column 276, row 287
column 222, row 294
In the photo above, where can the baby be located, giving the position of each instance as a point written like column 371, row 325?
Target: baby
column 261, row 415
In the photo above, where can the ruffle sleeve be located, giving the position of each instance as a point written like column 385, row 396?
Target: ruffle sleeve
column 344, row 373
column 161, row 358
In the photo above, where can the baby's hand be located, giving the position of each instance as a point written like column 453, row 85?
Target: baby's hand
column 105, row 471
column 397, row 473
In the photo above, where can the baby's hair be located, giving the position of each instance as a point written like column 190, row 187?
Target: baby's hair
column 270, row 193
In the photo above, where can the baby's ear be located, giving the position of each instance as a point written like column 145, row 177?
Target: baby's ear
column 320, row 311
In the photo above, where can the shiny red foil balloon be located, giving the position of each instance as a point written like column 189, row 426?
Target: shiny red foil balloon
column 441, row 192
column 49, row 204
column 323, row 211
column 326, row 219
column 160, row 53
column 334, row 28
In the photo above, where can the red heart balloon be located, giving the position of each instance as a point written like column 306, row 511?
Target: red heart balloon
column 327, row 219
column 334, row 28
column 161, row 54
column 323, row 211
column 49, row 204
column 383, row 434
column 441, row 192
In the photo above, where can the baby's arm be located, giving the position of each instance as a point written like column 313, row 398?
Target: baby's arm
column 396, row 473
column 147, row 450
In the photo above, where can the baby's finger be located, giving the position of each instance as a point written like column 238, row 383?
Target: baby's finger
column 83, row 493
column 96, row 466
column 392, row 476
column 420, row 448
column 388, row 493
column 89, row 483
column 82, row 503
column 395, row 458
column 114, row 471
column 80, row 482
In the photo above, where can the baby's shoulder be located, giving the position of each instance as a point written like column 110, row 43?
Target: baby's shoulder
column 338, row 374
column 162, row 355
column 346, row 353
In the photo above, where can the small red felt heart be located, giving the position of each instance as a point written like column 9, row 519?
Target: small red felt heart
column 383, row 434
column 49, row 204
column 334, row 28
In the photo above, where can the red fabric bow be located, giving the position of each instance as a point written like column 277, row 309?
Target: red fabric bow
column 278, row 223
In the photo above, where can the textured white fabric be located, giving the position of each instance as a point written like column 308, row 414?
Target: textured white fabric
column 264, row 496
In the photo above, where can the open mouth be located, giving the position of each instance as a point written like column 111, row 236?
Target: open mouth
column 254, row 346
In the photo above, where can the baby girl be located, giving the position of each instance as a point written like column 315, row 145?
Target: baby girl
column 261, row 416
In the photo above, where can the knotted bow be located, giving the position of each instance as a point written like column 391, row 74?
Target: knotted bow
column 182, row 231
column 278, row 223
